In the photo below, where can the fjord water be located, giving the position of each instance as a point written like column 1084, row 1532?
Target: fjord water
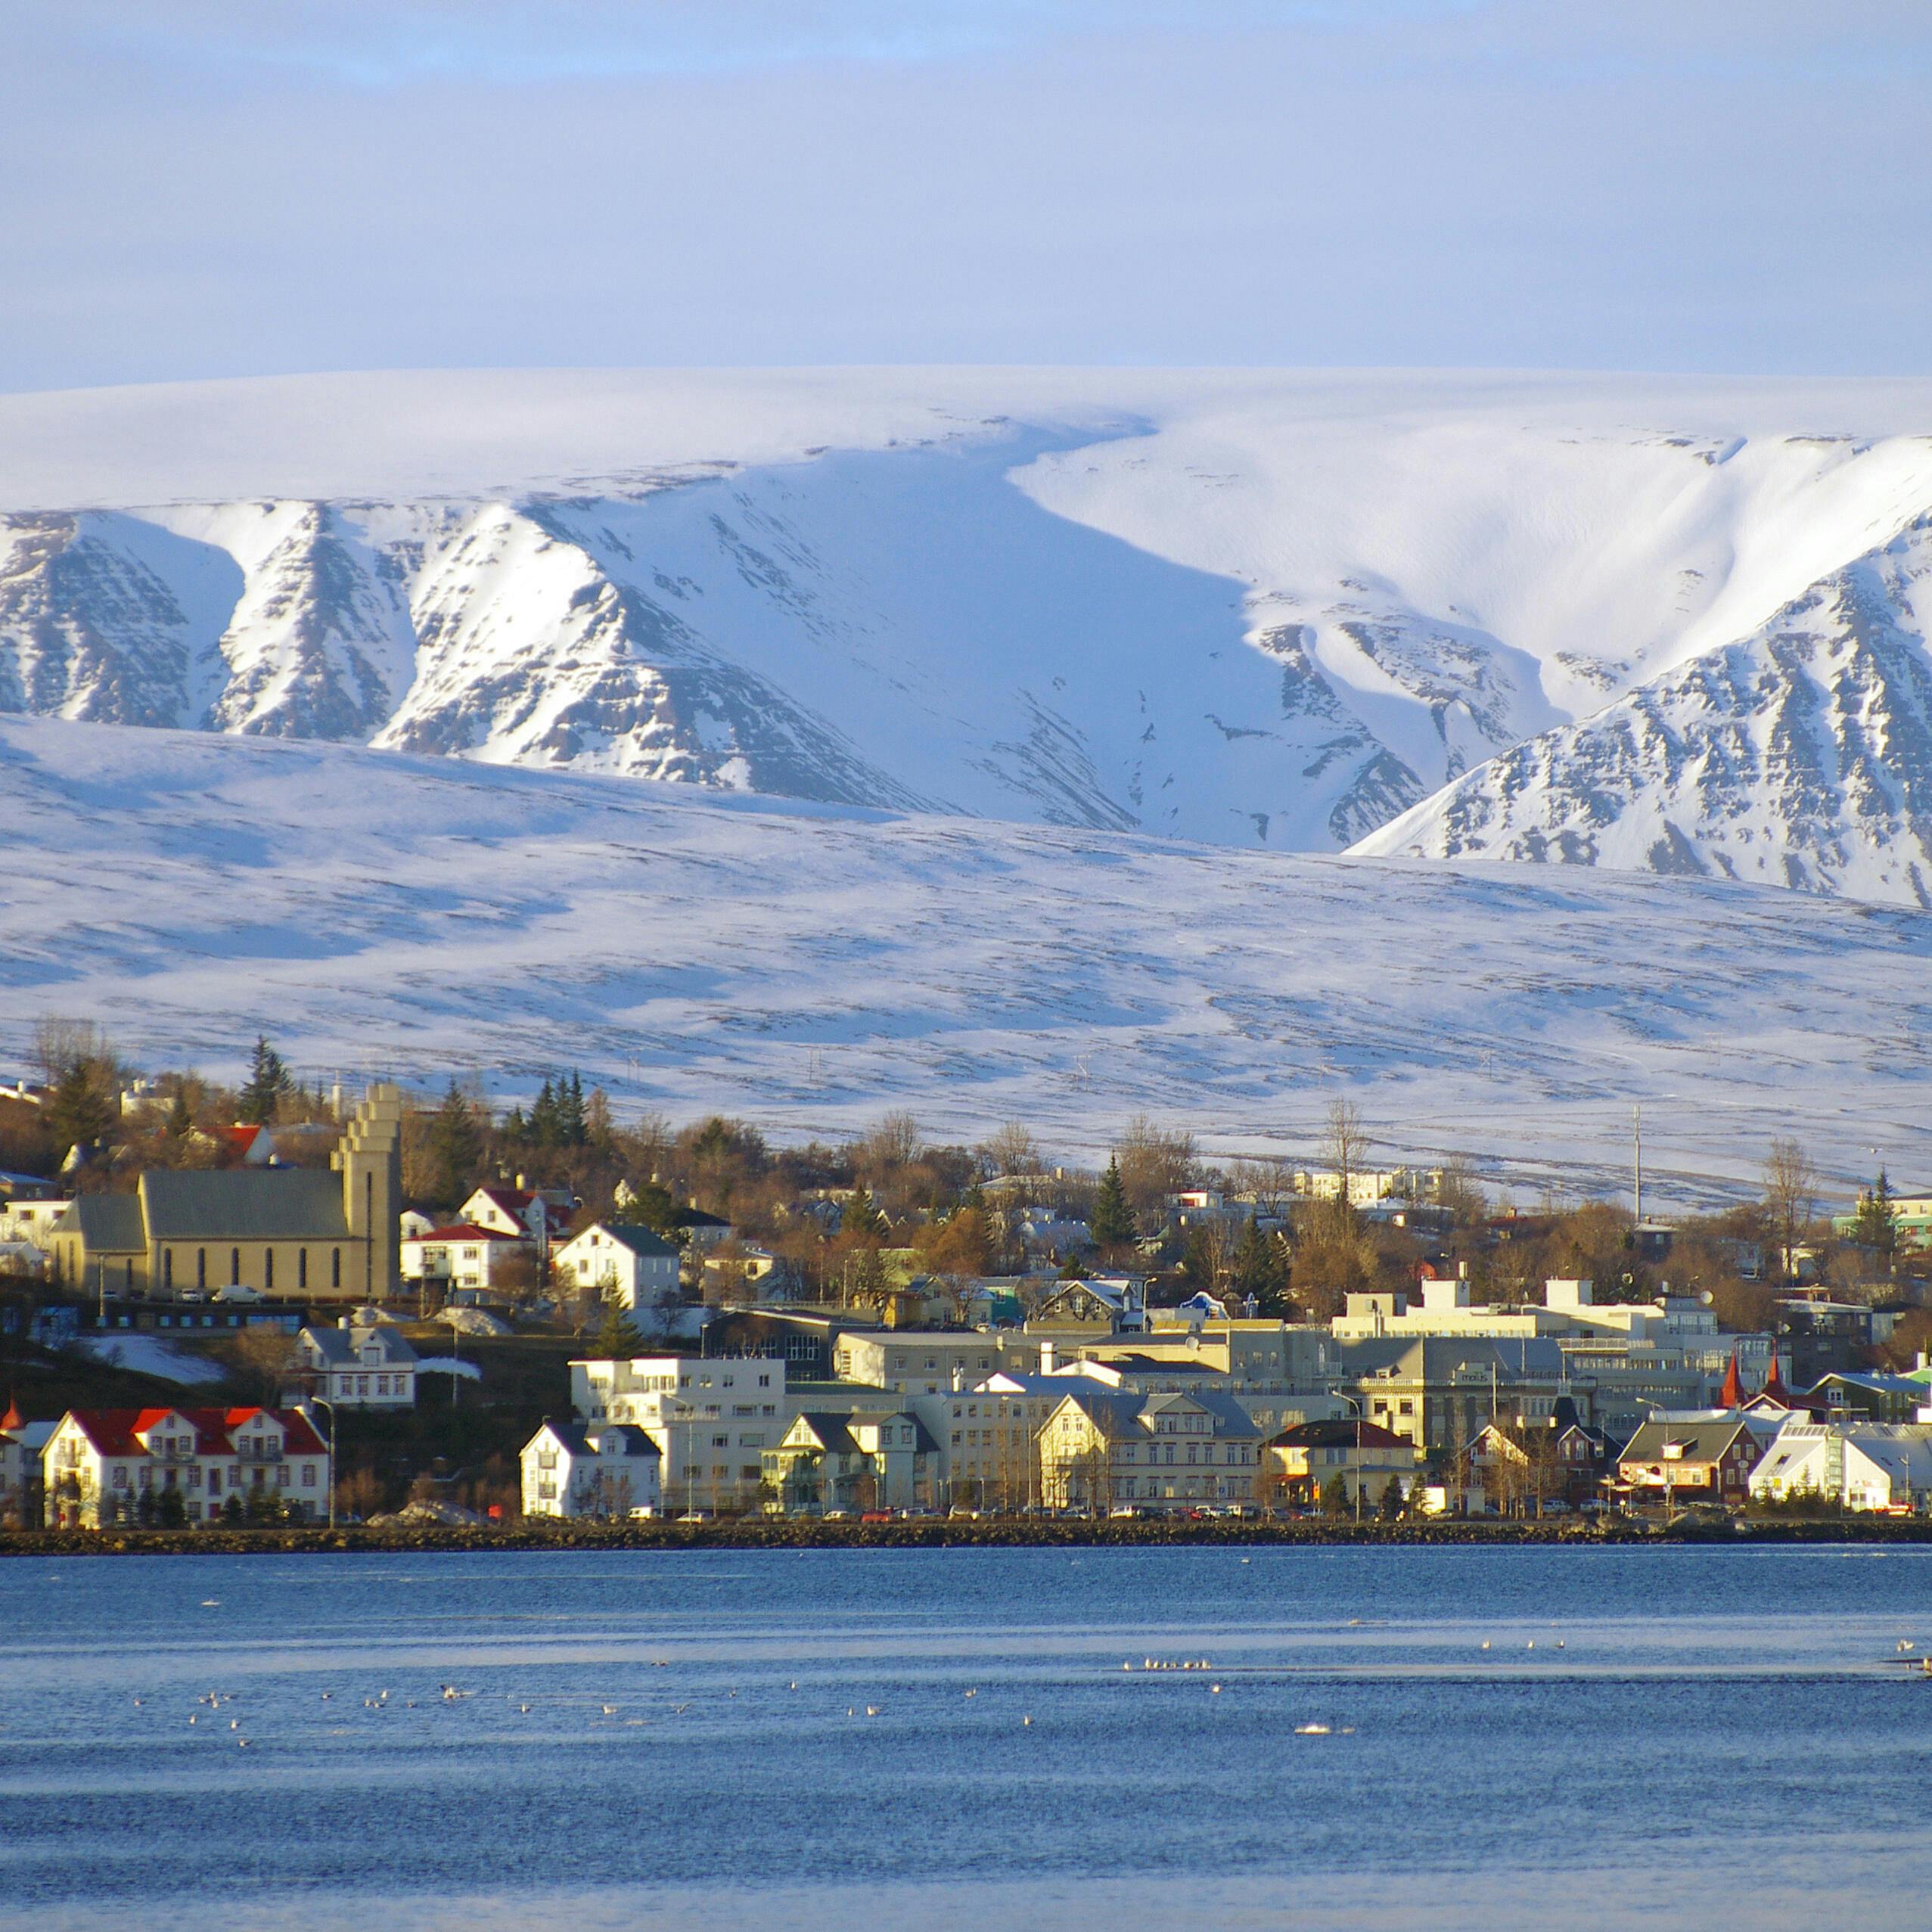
column 1569, row 1737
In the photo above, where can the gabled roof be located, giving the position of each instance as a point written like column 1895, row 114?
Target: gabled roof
column 109, row 1224
column 1699, row 1441
column 832, row 1433
column 115, row 1432
column 242, row 1203
column 463, row 1231
column 343, row 1348
column 1339, row 1432
column 598, row 1439
column 642, row 1241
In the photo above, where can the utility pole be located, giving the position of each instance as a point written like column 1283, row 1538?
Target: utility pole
column 1637, row 1158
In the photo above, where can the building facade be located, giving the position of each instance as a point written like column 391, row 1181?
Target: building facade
column 282, row 1231
column 359, row 1366
column 610, row 1471
column 191, row 1465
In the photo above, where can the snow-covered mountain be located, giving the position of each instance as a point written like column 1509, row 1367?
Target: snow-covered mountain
column 811, row 966
column 1800, row 756
column 1629, row 621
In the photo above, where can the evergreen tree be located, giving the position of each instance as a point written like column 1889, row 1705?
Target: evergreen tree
column 861, row 1216
column 1113, row 1223
column 1392, row 1501
column 545, row 1122
column 180, row 1121
column 617, row 1339
column 1334, row 1495
column 652, row 1207
column 571, row 1130
column 515, row 1127
column 1876, row 1225
column 1261, row 1269
column 455, row 1149
column 80, row 1113
column 267, row 1081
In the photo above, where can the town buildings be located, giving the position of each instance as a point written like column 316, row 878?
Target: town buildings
column 1678, row 1462
column 277, row 1231
column 359, row 1364
column 1850, row 1465
column 191, row 1465
column 1102, row 1449
column 712, row 1418
column 865, row 1459
column 629, row 1265
column 1362, row 1459
column 610, row 1470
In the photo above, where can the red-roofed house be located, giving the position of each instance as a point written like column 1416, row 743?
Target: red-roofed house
column 538, row 1214
column 99, row 1462
column 463, row 1255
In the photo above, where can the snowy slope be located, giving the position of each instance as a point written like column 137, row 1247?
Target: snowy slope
column 1801, row 756
column 1269, row 610
column 811, row 966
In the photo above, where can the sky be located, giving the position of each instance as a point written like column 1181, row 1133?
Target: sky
column 223, row 188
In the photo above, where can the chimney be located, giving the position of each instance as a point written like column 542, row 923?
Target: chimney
column 1049, row 1357
column 522, row 1184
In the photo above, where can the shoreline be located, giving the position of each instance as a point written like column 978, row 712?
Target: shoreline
column 428, row 1539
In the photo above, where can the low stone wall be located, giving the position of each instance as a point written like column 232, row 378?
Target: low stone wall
column 757, row 1533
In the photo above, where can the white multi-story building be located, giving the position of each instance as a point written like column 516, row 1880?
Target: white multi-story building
column 98, row 1462
column 711, row 1416
column 370, row 1366
column 609, row 1470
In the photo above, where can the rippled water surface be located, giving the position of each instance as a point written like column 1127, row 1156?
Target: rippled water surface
column 1545, row 1738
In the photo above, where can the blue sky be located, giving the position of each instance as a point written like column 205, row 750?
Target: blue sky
column 215, row 188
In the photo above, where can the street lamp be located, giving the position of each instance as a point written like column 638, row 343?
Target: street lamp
column 321, row 1401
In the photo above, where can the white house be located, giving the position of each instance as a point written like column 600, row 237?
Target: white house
column 368, row 1365
column 537, row 1215
column 464, row 1254
column 609, row 1469
column 630, row 1265
column 98, row 1462
column 711, row 1418
column 1858, row 1465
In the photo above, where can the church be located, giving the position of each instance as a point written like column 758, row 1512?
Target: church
column 286, row 1232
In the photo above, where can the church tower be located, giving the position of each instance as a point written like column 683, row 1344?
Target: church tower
column 370, row 1161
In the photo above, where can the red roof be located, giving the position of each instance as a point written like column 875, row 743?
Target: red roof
column 13, row 1419
column 116, row 1431
column 463, row 1230
column 1731, row 1396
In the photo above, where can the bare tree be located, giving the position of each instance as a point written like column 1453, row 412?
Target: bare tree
column 1345, row 1147
column 1153, row 1164
column 894, row 1142
column 1010, row 1150
column 1791, row 1187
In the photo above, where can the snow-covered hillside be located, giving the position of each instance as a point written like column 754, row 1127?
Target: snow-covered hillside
column 1271, row 610
column 1801, row 756
column 811, row 966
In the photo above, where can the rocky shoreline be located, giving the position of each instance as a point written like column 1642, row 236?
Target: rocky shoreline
column 751, row 1533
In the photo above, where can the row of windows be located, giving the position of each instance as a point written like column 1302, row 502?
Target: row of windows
column 234, row 1269
column 236, row 1479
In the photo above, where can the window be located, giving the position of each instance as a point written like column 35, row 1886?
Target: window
column 268, row 1269
column 168, row 1270
column 335, row 1268
column 302, row 1268
column 201, row 1268
column 721, row 1442
column 308, row 1475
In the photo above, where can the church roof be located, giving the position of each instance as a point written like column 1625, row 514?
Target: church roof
column 270, row 1204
